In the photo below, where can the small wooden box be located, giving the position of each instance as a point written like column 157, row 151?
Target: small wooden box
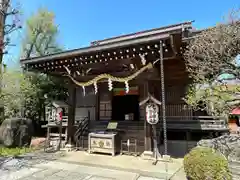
column 102, row 143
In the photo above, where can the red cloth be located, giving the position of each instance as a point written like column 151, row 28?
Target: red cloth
column 235, row 111
column 60, row 115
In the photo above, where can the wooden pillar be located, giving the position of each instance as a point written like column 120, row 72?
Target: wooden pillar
column 97, row 107
column 148, row 140
column 71, row 112
column 147, row 126
column 188, row 138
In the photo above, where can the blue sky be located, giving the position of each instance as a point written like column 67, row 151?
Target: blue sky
column 83, row 21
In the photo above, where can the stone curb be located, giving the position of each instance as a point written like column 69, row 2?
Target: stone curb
column 174, row 174
column 235, row 163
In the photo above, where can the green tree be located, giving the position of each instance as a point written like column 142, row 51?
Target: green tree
column 211, row 54
column 41, row 35
column 9, row 22
column 41, row 39
column 17, row 88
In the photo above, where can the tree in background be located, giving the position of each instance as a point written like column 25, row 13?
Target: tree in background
column 41, row 35
column 9, row 22
column 17, row 88
column 41, row 39
column 213, row 53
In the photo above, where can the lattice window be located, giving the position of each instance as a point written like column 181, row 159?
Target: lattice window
column 105, row 110
column 105, row 105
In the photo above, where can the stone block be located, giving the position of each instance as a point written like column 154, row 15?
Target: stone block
column 147, row 155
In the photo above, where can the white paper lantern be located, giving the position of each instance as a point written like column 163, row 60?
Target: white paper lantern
column 152, row 113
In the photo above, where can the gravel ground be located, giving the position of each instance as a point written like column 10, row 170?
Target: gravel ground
column 9, row 164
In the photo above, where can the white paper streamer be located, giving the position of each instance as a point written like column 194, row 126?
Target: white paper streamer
column 110, row 86
column 95, row 87
column 143, row 60
column 126, row 87
column 84, row 92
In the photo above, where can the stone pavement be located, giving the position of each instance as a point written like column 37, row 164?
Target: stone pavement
column 126, row 163
column 54, row 170
column 84, row 166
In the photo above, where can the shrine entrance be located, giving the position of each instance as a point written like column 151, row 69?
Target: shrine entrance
column 125, row 106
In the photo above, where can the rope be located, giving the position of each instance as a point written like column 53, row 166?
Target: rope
column 109, row 76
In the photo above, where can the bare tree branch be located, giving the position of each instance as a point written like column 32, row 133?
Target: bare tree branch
column 7, row 11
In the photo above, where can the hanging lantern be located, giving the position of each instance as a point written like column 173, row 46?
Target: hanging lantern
column 126, row 87
column 110, row 86
column 95, row 87
column 152, row 113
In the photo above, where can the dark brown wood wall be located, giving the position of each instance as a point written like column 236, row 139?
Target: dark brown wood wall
column 176, row 81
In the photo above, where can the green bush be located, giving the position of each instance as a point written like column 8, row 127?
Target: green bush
column 206, row 164
column 14, row 152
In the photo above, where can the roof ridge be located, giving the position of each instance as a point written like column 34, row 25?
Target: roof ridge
column 96, row 42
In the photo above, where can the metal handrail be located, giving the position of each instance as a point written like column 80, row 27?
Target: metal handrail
column 82, row 125
column 81, row 129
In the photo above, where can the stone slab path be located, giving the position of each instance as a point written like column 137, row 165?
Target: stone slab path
column 54, row 170
column 54, row 166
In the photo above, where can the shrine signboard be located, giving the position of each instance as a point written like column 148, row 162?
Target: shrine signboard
column 152, row 113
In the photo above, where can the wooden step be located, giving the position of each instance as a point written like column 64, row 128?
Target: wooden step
column 56, row 135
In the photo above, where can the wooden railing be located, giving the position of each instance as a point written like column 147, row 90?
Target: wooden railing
column 175, row 122
column 78, row 119
column 195, row 122
column 208, row 122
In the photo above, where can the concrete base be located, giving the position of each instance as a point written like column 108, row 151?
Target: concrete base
column 147, row 155
column 69, row 147
column 166, row 158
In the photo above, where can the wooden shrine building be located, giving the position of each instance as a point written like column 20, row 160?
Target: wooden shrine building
column 109, row 79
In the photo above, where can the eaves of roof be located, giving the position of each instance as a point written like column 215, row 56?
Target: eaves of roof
column 117, row 42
